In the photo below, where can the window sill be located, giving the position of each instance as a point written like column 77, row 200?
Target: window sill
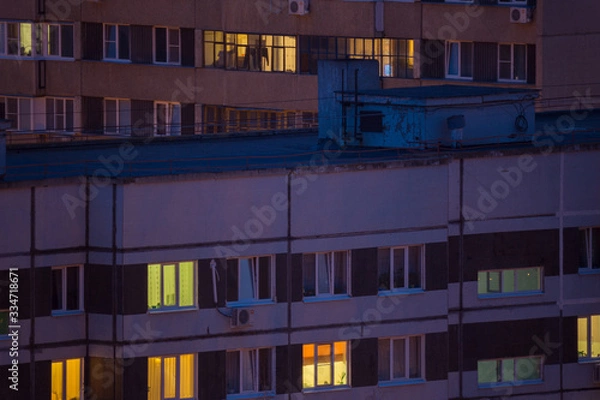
column 116, row 61
column 257, row 395
column 509, row 384
column 63, row 313
column 589, row 271
column 249, row 303
column 325, row 389
column 512, row 81
column 319, row 299
column 401, row 292
column 172, row 310
column 588, row 360
column 509, row 295
column 414, row 381
column 458, row 78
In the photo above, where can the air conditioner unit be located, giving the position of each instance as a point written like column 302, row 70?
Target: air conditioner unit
column 520, row 15
column 596, row 373
column 298, row 7
column 241, row 317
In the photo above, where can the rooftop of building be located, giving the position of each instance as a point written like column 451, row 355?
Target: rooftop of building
column 145, row 157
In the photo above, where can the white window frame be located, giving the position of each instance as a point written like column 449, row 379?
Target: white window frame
column 256, row 380
column 177, row 306
column 121, row 106
column 449, row 44
column 514, row 381
column 172, row 127
column 63, row 363
column 590, row 356
column 168, row 45
column 64, row 114
column 515, row 292
column 315, row 364
column 420, row 288
column 511, row 62
column 18, row 116
column 104, row 41
column 406, row 378
column 43, row 41
column 177, row 376
column 4, row 47
column 589, row 238
column 63, row 310
column 331, row 256
column 255, row 280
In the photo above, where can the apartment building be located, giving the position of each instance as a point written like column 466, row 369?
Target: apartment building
column 295, row 270
column 159, row 68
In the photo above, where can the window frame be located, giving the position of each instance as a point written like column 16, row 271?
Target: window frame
column 44, row 41
column 512, row 63
column 176, row 307
column 177, row 376
column 118, row 128
column 459, row 59
column 65, row 290
column 19, row 117
column 168, row 45
column 406, row 379
column 65, row 382
column 588, row 338
column 172, row 128
column 256, row 281
column 514, row 382
column 65, row 114
column 515, row 292
column 331, row 294
column 256, row 379
column 588, row 233
column 315, row 349
column 404, row 289
column 117, row 42
column 4, row 38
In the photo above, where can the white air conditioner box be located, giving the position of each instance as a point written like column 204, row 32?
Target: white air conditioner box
column 519, row 15
column 298, row 7
column 241, row 317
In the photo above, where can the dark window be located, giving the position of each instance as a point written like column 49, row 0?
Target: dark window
column 66, row 38
column 65, row 289
column 371, row 121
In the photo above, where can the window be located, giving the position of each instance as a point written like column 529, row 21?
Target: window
column 459, row 60
column 588, row 337
column 326, row 274
column 324, row 365
column 589, row 248
column 67, row 289
column 16, row 39
column 400, row 268
column 59, row 114
column 116, row 42
column 167, row 119
column 512, row 62
column 172, row 377
column 249, row 52
column 167, row 49
column 19, row 111
column 67, row 379
column 117, row 117
column 249, row 371
column 400, row 359
column 510, row 281
column 171, row 285
column 251, row 280
column 509, row 371
column 395, row 56
column 54, row 40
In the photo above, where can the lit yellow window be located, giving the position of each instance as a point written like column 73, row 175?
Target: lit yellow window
column 171, row 377
column 588, row 336
column 171, row 285
column 324, row 364
column 66, row 379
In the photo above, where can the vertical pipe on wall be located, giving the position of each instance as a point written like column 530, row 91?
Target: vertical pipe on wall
column 289, row 277
column 460, row 277
column 561, row 277
column 114, row 287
